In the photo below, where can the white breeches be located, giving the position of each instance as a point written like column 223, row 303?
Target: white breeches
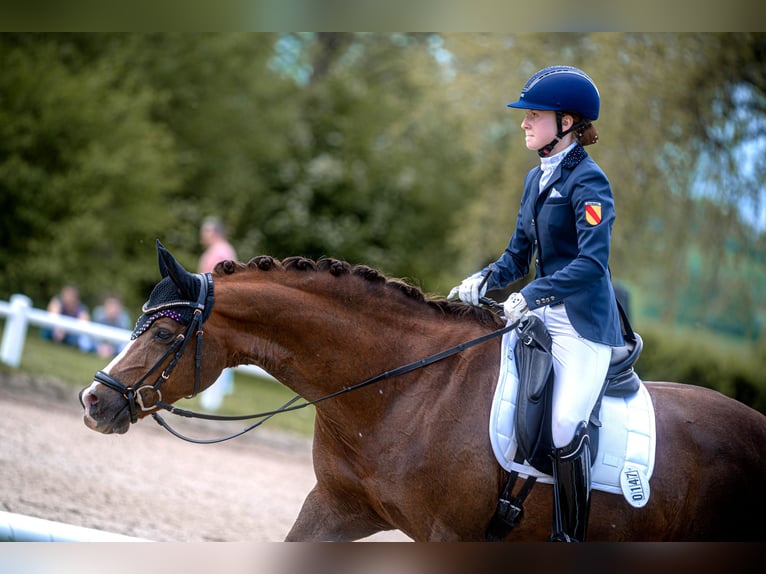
column 579, row 370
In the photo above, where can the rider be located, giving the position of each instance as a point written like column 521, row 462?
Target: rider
column 566, row 217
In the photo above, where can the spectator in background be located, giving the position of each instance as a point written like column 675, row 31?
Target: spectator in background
column 212, row 236
column 111, row 312
column 68, row 304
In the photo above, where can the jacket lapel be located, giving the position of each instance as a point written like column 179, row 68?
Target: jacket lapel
column 570, row 161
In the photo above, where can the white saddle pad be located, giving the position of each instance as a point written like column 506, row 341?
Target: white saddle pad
column 627, row 437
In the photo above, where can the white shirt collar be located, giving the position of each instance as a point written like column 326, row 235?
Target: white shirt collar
column 550, row 163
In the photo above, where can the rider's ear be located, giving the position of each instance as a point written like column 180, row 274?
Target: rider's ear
column 187, row 283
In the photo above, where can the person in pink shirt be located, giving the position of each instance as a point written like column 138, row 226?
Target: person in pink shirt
column 212, row 236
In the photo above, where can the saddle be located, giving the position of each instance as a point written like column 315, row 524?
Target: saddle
column 532, row 420
column 535, row 367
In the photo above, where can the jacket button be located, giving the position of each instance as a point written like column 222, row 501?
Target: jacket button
column 533, row 221
column 537, row 302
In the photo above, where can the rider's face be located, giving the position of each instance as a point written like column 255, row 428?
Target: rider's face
column 540, row 129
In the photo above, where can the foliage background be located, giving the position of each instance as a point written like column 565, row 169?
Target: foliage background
column 390, row 149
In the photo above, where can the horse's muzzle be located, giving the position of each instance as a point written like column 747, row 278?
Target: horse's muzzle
column 104, row 410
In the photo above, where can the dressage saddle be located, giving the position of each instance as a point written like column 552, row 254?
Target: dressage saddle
column 535, row 369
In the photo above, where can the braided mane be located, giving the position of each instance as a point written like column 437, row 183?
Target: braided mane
column 373, row 277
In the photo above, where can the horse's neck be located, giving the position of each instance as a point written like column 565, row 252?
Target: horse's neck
column 317, row 343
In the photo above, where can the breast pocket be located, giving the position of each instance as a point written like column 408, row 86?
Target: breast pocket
column 557, row 215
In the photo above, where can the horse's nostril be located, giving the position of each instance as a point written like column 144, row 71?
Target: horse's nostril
column 88, row 398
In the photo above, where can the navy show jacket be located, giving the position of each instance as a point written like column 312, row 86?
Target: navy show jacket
column 568, row 226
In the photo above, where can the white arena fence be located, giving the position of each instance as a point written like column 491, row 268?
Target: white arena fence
column 21, row 528
column 19, row 314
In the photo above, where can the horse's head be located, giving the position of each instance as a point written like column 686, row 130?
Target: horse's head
column 162, row 362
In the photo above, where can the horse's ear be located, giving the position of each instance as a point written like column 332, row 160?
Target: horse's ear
column 187, row 283
column 163, row 255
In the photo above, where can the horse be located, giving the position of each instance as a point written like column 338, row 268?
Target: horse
column 411, row 452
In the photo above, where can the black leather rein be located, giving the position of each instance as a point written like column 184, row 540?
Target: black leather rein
column 289, row 406
column 134, row 393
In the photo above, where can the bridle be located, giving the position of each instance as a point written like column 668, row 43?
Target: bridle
column 134, row 394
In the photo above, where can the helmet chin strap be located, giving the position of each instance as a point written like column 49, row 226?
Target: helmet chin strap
column 546, row 150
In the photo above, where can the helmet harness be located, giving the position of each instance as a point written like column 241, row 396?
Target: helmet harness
column 560, row 133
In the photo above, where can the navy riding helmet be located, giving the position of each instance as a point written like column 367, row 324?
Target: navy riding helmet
column 560, row 89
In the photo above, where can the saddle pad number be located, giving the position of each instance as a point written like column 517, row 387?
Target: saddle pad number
column 635, row 486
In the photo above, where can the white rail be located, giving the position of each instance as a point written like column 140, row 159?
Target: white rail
column 21, row 528
column 19, row 314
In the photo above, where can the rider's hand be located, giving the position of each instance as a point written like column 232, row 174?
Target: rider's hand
column 470, row 290
column 515, row 307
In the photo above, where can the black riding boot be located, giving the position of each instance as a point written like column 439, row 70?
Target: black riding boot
column 571, row 488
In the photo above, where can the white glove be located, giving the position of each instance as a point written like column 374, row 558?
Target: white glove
column 515, row 307
column 470, row 289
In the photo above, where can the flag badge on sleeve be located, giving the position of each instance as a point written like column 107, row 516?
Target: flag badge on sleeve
column 593, row 212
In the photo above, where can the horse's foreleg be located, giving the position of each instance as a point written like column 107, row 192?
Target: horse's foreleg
column 323, row 519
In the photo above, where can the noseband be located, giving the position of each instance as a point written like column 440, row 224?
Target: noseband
column 138, row 395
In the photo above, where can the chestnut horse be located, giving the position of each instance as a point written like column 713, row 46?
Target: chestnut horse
column 412, row 452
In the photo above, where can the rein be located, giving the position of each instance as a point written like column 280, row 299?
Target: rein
column 133, row 394
column 289, row 406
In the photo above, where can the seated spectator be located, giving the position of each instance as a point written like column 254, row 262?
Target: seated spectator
column 68, row 303
column 111, row 312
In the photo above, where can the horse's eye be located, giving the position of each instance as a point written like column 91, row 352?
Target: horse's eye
column 163, row 335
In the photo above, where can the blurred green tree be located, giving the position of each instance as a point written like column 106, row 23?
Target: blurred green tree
column 83, row 169
column 378, row 169
column 395, row 150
